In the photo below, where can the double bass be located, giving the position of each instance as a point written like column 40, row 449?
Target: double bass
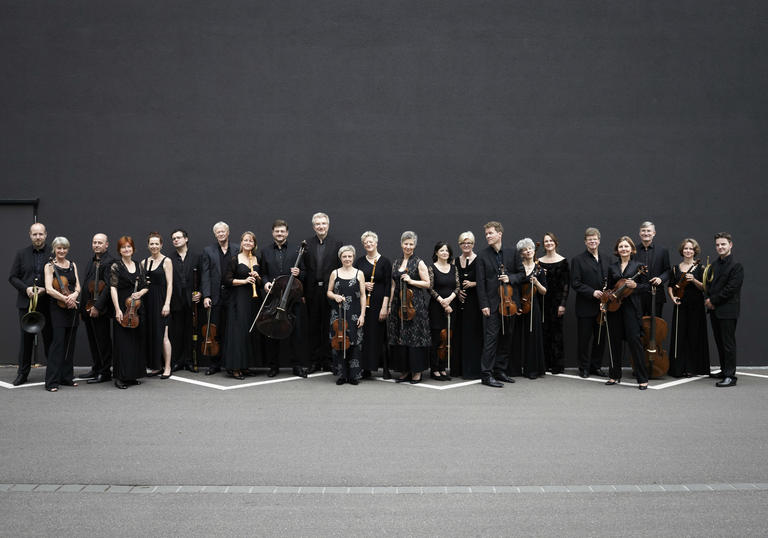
column 275, row 318
column 654, row 333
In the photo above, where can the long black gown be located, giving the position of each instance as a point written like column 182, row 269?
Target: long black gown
column 346, row 364
column 374, row 347
column 240, row 346
column 154, row 300
column 468, row 336
column 442, row 285
column 60, row 367
column 128, row 351
column 689, row 326
column 409, row 347
column 558, row 285
column 528, row 341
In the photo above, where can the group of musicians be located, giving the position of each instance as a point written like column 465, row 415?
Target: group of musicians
column 494, row 314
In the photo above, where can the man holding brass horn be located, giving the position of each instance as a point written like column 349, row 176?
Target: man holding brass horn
column 27, row 277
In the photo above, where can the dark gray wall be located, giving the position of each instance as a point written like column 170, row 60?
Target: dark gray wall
column 127, row 117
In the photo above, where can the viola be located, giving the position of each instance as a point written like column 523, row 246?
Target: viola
column 131, row 316
column 654, row 333
column 407, row 311
column 611, row 299
column 210, row 338
column 679, row 288
column 528, row 290
column 275, row 318
column 95, row 288
column 61, row 284
column 507, row 304
column 339, row 340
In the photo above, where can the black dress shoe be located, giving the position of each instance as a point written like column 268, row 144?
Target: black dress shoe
column 491, row 382
column 556, row 371
column 299, row 372
column 598, row 372
column 313, row 368
column 584, row 374
column 501, row 376
column 366, row 374
column 341, row 381
column 101, row 378
column 20, row 380
column 273, row 371
column 119, row 384
column 89, row 375
column 533, row 376
column 237, row 374
column 386, row 374
column 718, row 375
column 726, row 382
column 353, row 381
column 212, row 370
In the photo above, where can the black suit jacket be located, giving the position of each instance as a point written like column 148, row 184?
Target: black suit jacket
column 23, row 274
column 615, row 274
column 183, row 279
column 724, row 292
column 588, row 275
column 271, row 266
column 104, row 303
column 488, row 275
column 211, row 278
column 330, row 260
column 657, row 260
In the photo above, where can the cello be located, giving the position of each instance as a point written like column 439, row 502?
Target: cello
column 654, row 333
column 275, row 318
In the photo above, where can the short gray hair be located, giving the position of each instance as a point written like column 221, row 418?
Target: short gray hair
column 648, row 224
column 347, row 248
column 409, row 235
column 220, row 224
column 526, row 242
column 60, row 241
column 319, row 215
column 368, row 234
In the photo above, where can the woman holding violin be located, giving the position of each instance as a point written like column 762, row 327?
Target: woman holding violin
column 558, row 286
column 377, row 272
column 689, row 345
column 128, row 287
column 62, row 286
column 241, row 276
column 468, row 318
column 346, row 288
column 528, row 331
column 444, row 288
column 159, row 272
column 408, row 321
column 627, row 278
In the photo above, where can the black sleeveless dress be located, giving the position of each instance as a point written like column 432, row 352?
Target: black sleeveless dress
column 156, row 323
column 350, row 289
column 60, row 367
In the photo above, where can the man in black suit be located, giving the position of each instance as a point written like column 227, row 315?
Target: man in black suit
column 589, row 273
column 26, row 273
column 496, row 265
column 278, row 260
column 723, row 298
column 656, row 259
column 213, row 262
column 96, row 310
column 183, row 297
column 320, row 260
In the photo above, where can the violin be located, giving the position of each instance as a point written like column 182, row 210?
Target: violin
column 654, row 333
column 507, row 304
column 61, row 284
column 275, row 318
column 611, row 299
column 679, row 288
column 444, row 348
column 210, row 338
column 339, row 340
column 528, row 290
column 131, row 317
column 95, row 288
column 407, row 311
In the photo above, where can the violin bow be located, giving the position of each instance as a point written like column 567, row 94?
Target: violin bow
column 262, row 306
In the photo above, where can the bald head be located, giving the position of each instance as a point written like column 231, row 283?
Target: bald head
column 99, row 244
column 37, row 234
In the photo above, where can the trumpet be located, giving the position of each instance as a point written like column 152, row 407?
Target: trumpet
column 33, row 321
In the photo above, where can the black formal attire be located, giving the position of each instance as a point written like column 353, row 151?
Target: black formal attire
column 587, row 275
column 689, row 344
column 442, row 285
column 558, row 286
column 320, row 259
column 528, row 343
column 277, row 261
column 657, row 260
column 153, row 306
column 496, row 345
column 240, row 345
column 180, row 329
column 409, row 345
column 724, row 292
column 468, row 333
column 27, row 268
column 99, row 328
column 129, row 347
column 213, row 263
column 625, row 325
column 60, row 367
column 374, row 352
column 346, row 364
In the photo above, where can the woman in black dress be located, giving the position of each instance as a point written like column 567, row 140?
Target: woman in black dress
column 377, row 272
column 127, row 281
column 346, row 288
column 409, row 339
column 528, row 329
column 242, row 277
column 468, row 335
column 689, row 345
column 159, row 271
column 444, row 288
column 625, row 325
column 558, row 285
column 63, row 316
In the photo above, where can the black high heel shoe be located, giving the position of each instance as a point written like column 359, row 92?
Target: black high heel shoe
column 406, row 377
column 613, row 382
column 643, row 387
column 119, row 384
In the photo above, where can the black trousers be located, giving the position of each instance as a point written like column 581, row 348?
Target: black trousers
column 319, row 319
column 180, row 333
column 625, row 326
column 724, row 331
column 590, row 351
column 27, row 343
column 496, row 346
column 100, row 342
column 60, row 367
